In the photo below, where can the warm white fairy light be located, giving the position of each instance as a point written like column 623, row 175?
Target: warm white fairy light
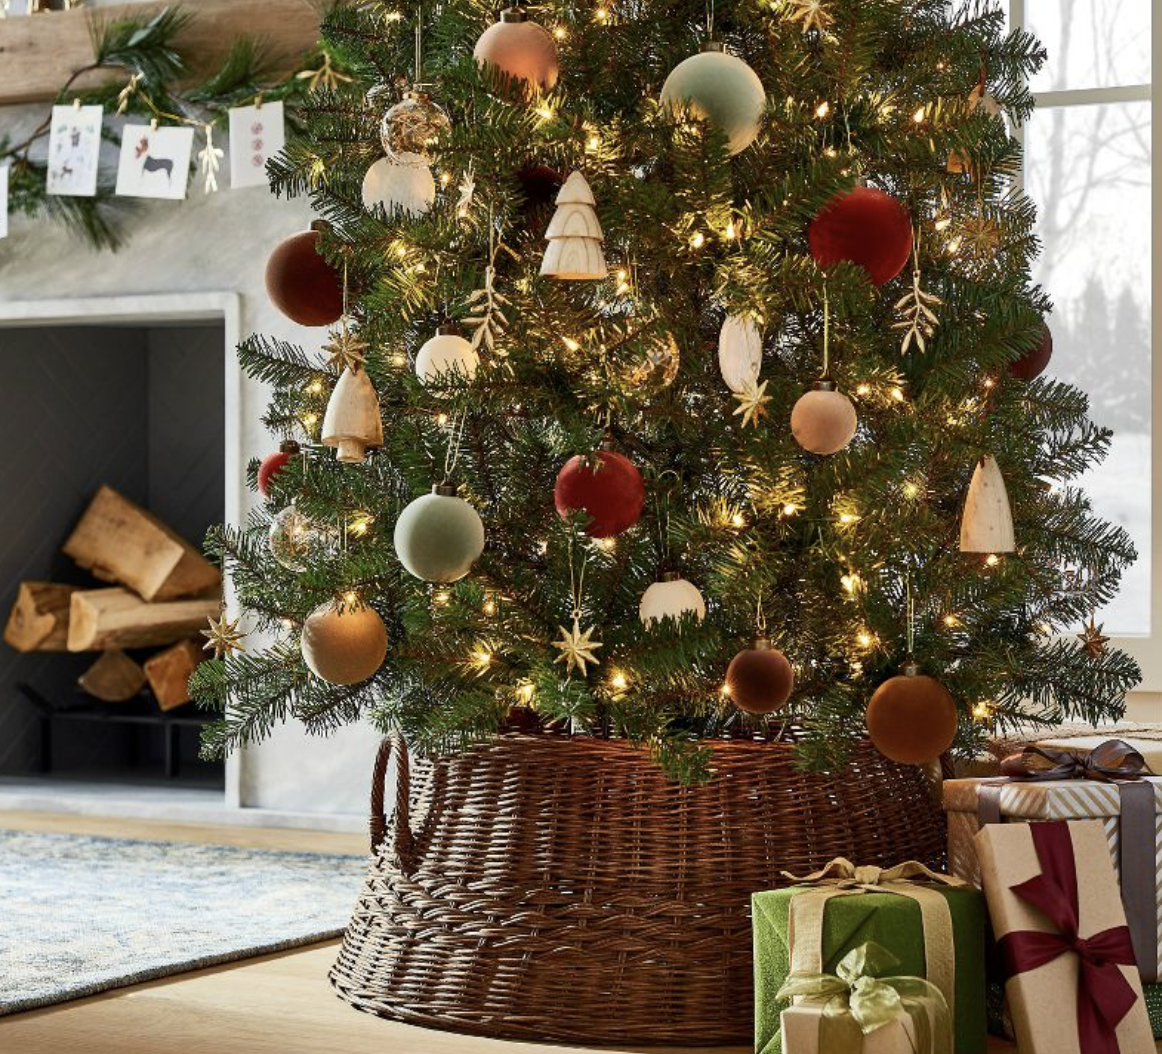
column 697, row 240
column 790, row 508
column 315, row 387
column 560, row 32
column 823, row 109
column 992, row 560
column 489, row 607
column 618, row 682
column 897, row 394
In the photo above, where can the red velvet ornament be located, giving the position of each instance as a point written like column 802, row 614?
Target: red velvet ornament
column 301, row 284
column 1032, row 364
column 759, row 680
column 865, row 227
column 539, row 184
column 612, row 496
column 911, row 717
column 273, row 464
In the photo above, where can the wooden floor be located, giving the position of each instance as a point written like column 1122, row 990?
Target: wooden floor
column 274, row 1004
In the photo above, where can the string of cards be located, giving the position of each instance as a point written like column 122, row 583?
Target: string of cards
column 154, row 161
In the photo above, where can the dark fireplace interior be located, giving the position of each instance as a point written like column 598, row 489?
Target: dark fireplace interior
column 139, row 408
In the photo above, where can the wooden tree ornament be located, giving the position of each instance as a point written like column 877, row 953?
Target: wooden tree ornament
column 352, row 423
column 574, row 235
column 987, row 523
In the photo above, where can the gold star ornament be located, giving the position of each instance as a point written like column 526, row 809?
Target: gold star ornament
column 345, row 350
column 223, row 637
column 1093, row 641
column 577, row 648
column 809, row 14
column 752, row 403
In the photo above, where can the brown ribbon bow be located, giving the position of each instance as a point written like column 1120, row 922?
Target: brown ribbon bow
column 1109, row 762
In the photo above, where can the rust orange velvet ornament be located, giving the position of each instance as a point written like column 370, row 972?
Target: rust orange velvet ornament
column 759, row 680
column 273, row 464
column 520, row 49
column 1032, row 364
column 911, row 717
column 301, row 284
column 612, row 496
column 865, row 227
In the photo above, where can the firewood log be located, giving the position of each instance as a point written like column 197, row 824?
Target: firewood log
column 118, row 541
column 113, row 678
column 100, row 619
column 168, row 672
column 39, row 620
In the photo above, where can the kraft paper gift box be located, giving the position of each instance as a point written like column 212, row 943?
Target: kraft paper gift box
column 885, row 918
column 1061, row 933
column 1130, row 815
column 801, row 1034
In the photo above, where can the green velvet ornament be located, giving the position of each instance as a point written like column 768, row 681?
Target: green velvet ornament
column 721, row 89
column 439, row 536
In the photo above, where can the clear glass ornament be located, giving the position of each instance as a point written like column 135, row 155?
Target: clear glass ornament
column 657, row 363
column 411, row 126
column 292, row 538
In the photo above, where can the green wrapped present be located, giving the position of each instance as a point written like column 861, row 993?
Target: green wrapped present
column 932, row 924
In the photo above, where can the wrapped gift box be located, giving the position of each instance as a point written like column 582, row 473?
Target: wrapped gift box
column 1134, row 838
column 1052, row 898
column 800, row 1026
column 887, row 919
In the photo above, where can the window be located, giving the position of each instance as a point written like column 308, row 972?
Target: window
column 1088, row 168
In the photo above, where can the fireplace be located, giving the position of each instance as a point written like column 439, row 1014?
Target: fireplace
column 138, row 407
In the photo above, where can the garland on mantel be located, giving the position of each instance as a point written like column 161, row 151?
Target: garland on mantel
column 147, row 69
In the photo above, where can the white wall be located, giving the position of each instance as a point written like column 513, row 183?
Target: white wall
column 208, row 243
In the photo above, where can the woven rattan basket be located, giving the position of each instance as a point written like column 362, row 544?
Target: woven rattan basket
column 542, row 887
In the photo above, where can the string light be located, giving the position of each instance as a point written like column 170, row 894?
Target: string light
column 863, row 389
column 865, row 639
column 619, row 682
column 315, row 387
column 992, row 560
column 823, row 109
column 445, row 178
column 847, row 518
column 560, row 32
column 897, row 394
column 910, row 489
column 943, row 223
column 441, row 419
column 697, row 240
column 989, row 383
column 790, row 508
column 724, row 691
column 545, row 112
column 525, row 692
column 606, row 545
column 489, row 606
column 309, row 421
column 737, row 520
column 951, row 621
column 592, row 143
column 601, row 14
column 982, row 711
column 918, row 116
column 852, row 583
column 399, row 359
column 441, row 598
column 361, row 524
column 731, row 231
column 350, row 597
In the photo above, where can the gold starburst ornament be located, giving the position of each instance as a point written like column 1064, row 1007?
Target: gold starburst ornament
column 345, row 350
column 577, row 647
column 808, row 14
column 223, row 637
column 1093, row 641
column 752, row 403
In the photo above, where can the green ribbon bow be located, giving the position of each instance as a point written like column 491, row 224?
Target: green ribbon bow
column 856, row 1001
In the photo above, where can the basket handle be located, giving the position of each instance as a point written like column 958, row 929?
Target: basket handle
column 400, row 821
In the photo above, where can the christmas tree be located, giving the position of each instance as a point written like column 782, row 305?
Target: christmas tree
column 703, row 340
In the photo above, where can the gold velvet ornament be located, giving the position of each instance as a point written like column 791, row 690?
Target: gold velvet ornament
column 759, row 680
column 823, row 421
column 344, row 643
column 912, row 717
column 521, row 50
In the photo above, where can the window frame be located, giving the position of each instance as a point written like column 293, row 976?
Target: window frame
column 1145, row 648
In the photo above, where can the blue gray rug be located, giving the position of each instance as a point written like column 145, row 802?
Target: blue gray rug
column 80, row 915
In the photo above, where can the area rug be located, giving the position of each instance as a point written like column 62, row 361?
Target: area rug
column 80, row 915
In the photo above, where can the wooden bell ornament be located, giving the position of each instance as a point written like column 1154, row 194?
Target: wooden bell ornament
column 574, row 252
column 987, row 523
column 352, row 423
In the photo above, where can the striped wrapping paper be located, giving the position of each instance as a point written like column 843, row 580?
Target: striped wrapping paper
column 1049, row 800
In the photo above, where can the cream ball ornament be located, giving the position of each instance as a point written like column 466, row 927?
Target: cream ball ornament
column 719, row 88
column 823, row 421
column 439, row 536
column 343, row 643
column 406, row 186
column 446, row 356
column 671, row 597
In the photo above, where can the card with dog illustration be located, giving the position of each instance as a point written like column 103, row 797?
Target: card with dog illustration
column 74, row 148
column 155, row 162
column 256, row 133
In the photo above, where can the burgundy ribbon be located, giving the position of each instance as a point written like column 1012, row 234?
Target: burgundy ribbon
column 1104, row 996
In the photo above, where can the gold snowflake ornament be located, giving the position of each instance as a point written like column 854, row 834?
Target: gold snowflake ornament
column 223, row 637
column 810, row 14
column 1093, row 641
column 577, row 647
column 345, row 349
column 752, row 403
